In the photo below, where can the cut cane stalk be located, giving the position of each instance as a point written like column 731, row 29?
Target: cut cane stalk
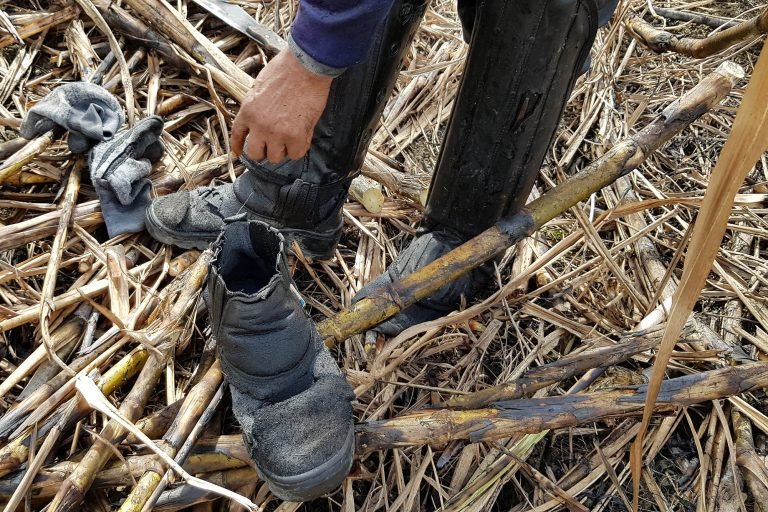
column 662, row 41
column 618, row 162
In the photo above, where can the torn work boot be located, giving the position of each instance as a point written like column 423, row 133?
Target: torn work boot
column 287, row 392
column 302, row 198
column 524, row 58
column 87, row 111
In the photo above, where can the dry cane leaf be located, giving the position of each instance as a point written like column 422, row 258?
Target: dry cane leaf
column 747, row 141
column 95, row 398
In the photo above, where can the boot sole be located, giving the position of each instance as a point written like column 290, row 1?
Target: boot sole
column 317, row 482
column 315, row 245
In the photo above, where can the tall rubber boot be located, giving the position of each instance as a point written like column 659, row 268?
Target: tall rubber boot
column 524, row 58
column 288, row 394
column 303, row 198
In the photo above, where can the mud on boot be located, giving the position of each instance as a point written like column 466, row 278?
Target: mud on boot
column 288, row 394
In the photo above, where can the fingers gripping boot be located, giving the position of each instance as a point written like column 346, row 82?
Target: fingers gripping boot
column 287, row 392
column 303, row 198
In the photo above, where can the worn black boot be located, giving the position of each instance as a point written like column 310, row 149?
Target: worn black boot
column 303, row 198
column 524, row 58
column 287, row 392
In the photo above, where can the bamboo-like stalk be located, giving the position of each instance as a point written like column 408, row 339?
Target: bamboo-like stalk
column 616, row 163
column 755, row 471
column 157, row 423
column 118, row 473
column 15, row 453
column 56, row 18
column 186, row 495
column 168, row 21
column 558, row 371
column 193, row 407
column 72, row 492
column 662, row 41
column 121, row 20
column 516, row 417
column 172, row 313
column 49, row 283
column 37, row 405
column 64, row 334
column 13, row 165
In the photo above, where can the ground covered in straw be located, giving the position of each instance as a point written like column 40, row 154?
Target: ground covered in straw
column 585, row 281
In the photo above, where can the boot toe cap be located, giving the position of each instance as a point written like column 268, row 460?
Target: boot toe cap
column 171, row 209
column 303, row 446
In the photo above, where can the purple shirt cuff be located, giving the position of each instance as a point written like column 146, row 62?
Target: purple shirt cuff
column 336, row 34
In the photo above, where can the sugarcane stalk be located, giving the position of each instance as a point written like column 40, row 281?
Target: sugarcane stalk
column 186, row 495
column 32, row 313
column 118, row 473
column 661, row 41
column 618, row 162
column 165, row 330
column 193, row 407
column 72, row 492
column 701, row 19
column 516, row 417
column 22, row 157
column 120, row 19
column 64, row 334
column 48, row 369
column 15, row 453
column 30, row 29
column 38, row 405
column 57, row 252
column 541, row 377
column 167, row 20
column 186, row 448
column 157, row 423
column 754, row 468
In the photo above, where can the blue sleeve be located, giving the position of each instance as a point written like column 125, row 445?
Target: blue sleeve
column 331, row 35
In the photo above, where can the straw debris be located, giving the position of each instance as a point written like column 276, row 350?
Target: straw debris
column 528, row 398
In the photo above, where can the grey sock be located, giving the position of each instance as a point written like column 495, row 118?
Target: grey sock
column 119, row 171
column 87, row 111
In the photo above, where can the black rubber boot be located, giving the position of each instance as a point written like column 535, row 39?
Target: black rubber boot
column 524, row 58
column 287, row 392
column 303, row 198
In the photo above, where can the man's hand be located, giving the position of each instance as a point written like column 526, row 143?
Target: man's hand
column 279, row 114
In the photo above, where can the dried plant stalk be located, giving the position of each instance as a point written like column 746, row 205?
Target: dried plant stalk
column 618, row 162
column 747, row 141
column 534, row 415
column 15, row 453
column 194, row 405
column 662, row 41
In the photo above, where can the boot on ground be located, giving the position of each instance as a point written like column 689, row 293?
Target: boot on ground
column 288, row 394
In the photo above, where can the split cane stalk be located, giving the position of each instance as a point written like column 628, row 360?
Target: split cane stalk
column 15, row 453
column 118, row 473
column 558, row 371
column 193, row 407
column 530, row 416
column 618, row 162
column 172, row 313
column 73, row 490
column 661, row 41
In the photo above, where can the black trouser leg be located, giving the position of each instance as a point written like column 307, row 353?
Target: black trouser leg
column 523, row 59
